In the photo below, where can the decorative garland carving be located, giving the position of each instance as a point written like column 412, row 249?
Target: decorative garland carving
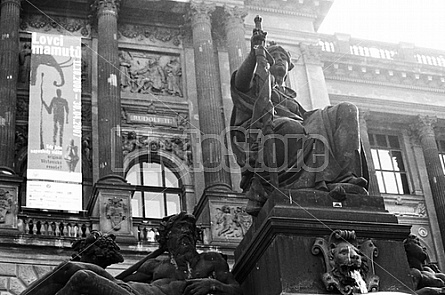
column 59, row 24
column 180, row 147
column 150, row 33
column 351, row 273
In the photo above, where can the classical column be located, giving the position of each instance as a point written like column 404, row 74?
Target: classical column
column 373, row 187
column 235, row 35
column 434, row 169
column 108, row 91
column 9, row 65
column 211, row 113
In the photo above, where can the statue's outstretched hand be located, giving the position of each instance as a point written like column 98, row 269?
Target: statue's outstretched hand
column 258, row 38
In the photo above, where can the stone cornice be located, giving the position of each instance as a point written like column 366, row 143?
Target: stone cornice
column 280, row 11
column 404, row 112
column 340, row 78
column 398, row 74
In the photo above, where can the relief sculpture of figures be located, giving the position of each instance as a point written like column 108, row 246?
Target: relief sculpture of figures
column 427, row 278
column 150, row 74
column 317, row 149
column 182, row 271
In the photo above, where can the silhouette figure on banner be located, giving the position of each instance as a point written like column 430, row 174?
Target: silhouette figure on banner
column 58, row 107
column 72, row 156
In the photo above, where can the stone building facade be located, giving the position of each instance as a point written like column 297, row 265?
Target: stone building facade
column 158, row 72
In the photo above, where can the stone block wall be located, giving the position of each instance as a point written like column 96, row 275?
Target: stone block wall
column 14, row 278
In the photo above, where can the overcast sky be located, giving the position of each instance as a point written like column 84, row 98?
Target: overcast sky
column 421, row 22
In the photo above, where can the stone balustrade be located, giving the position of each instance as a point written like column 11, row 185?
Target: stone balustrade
column 53, row 226
column 341, row 43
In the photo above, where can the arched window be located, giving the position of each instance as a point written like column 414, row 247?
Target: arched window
column 158, row 189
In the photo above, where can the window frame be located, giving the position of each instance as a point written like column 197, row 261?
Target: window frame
column 165, row 164
column 402, row 182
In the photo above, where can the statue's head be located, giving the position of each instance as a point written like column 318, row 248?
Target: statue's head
column 273, row 48
column 415, row 253
column 59, row 92
column 97, row 248
column 178, row 233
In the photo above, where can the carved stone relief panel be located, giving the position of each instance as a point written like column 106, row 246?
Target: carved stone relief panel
column 8, row 206
column 175, row 145
column 149, row 73
column 150, row 35
column 229, row 221
column 115, row 214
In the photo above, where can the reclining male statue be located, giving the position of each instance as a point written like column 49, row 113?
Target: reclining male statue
column 183, row 271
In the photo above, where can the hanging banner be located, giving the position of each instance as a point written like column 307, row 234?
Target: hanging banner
column 55, row 130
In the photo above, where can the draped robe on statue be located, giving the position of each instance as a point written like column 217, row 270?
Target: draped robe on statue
column 313, row 148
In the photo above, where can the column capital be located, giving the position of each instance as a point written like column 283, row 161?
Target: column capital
column 310, row 53
column 200, row 12
column 100, row 7
column 16, row 2
column 234, row 16
column 424, row 126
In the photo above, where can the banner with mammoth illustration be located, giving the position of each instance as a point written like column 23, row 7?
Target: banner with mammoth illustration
column 55, row 130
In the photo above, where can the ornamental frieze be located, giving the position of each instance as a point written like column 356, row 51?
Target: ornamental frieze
column 150, row 34
column 50, row 24
column 150, row 73
column 175, row 145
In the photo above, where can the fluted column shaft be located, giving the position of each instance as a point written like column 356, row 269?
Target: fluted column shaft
column 235, row 35
column 108, row 100
column 211, row 113
column 434, row 168
column 9, row 60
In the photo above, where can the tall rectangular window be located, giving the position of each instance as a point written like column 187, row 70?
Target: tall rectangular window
column 388, row 162
column 441, row 148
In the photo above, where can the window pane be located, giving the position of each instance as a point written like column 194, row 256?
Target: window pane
column 397, row 161
column 385, row 159
column 154, row 205
column 136, row 205
column 133, row 175
column 390, row 182
column 380, row 181
column 152, row 174
column 403, row 183
column 381, row 140
column 170, row 179
column 375, row 159
column 173, row 204
column 394, row 141
column 442, row 159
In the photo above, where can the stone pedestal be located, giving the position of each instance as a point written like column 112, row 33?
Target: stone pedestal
column 9, row 194
column 110, row 208
column 275, row 256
